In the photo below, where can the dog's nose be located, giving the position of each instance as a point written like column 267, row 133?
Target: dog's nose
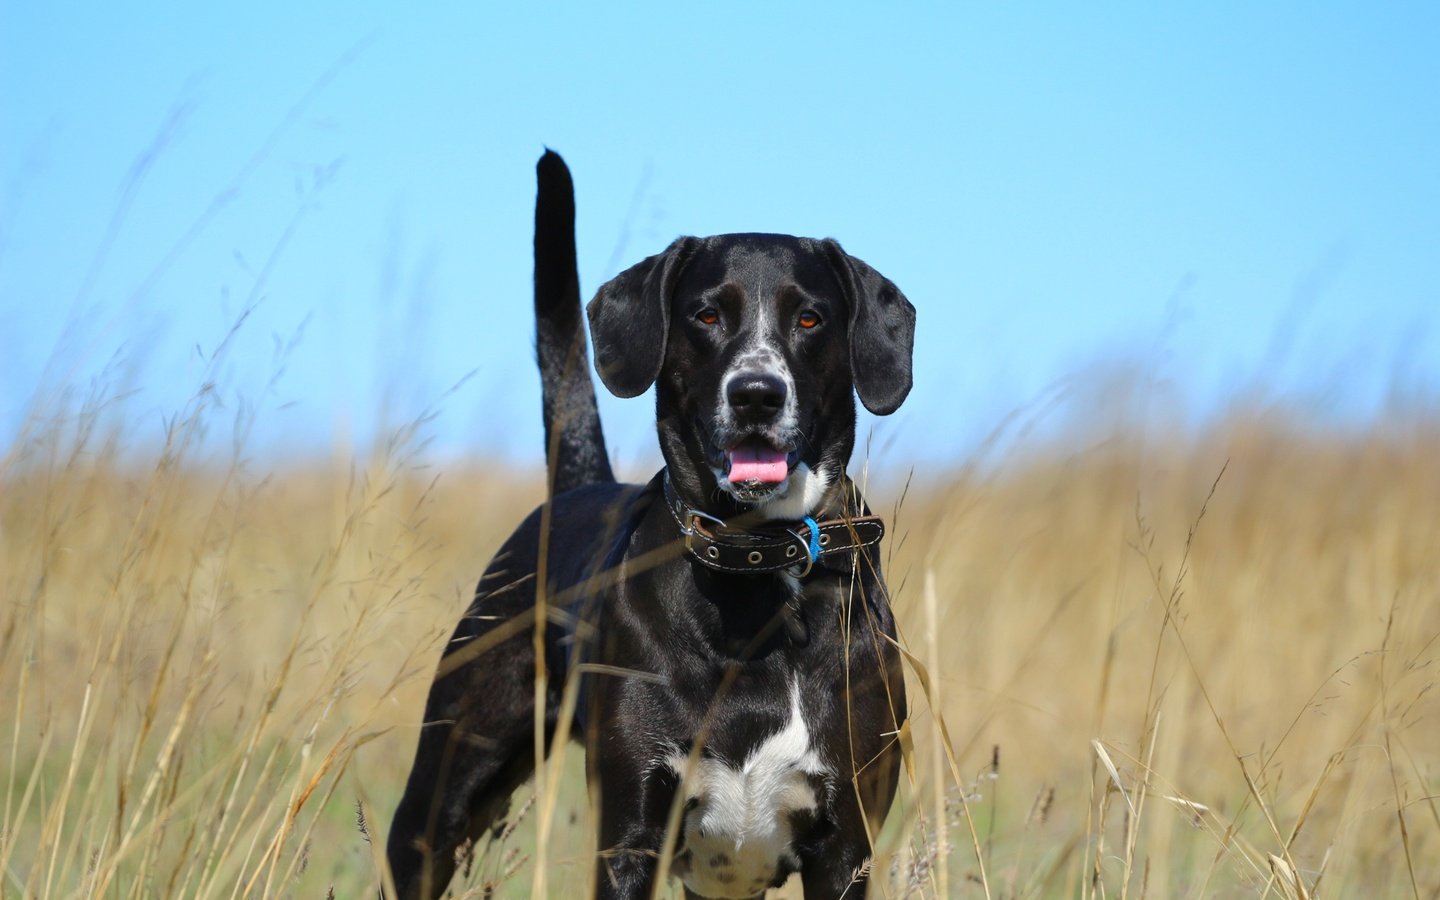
column 755, row 396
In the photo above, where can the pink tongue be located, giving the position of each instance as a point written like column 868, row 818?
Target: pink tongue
column 758, row 464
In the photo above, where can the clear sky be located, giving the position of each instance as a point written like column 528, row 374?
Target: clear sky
column 1234, row 197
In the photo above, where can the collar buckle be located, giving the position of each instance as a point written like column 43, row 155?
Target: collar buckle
column 691, row 523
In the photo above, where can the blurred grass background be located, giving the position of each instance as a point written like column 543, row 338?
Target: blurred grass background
column 1156, row 679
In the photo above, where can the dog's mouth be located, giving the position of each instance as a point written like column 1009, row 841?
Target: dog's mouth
column 753, row 467
column 755, row 460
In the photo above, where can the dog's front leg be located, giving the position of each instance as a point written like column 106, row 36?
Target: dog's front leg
column 629, row 845
column 839, row 866
column 627, row 867
column 635, row 796
column 838, row 863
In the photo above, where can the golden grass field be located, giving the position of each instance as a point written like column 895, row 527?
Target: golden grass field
column 211, row 672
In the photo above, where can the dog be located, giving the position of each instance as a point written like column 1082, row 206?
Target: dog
column 720, row 639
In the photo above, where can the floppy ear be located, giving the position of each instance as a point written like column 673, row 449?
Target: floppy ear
column 630, row 320
column 882, row 332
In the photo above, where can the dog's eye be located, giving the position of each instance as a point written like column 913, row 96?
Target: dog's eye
column 808, row 319
column 708, row 316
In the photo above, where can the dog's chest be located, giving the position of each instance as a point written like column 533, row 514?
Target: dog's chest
column 738, row 827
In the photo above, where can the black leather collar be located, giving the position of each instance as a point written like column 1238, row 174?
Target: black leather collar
column 772, row 546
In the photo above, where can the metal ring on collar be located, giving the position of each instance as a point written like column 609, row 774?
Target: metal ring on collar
column 808, row 562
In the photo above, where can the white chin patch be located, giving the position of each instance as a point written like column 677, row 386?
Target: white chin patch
column 798, row 496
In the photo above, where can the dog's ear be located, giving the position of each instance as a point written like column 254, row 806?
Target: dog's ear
column 882, row 332
column 630, row 320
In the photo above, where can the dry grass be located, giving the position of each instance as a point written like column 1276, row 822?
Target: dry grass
column 214, row 674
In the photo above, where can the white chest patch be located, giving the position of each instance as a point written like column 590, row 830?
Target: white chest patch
column 737, row 826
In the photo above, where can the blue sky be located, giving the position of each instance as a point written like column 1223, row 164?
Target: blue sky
column 1235, row 198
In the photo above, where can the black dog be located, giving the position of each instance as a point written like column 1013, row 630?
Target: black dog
column 724, row 630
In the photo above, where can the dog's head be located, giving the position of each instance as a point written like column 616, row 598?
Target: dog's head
column 757, row 344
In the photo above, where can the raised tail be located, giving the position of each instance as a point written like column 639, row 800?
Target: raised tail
column 574, row 441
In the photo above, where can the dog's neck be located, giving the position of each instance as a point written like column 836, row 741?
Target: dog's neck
column 747, row 544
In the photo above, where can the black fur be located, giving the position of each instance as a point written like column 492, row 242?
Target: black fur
column 630, row 318
column 574, row 442
column 690, row 655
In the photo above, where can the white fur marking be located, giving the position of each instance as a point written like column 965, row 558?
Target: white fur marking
column 737, row 835
column 761, row 358
column 759, row 355
column 800, row 495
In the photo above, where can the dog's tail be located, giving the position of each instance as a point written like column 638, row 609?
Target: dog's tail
column 574, row 442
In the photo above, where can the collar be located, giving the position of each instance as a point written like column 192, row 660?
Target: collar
column 738, row 548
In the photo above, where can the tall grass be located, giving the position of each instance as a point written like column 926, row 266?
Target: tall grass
column 1154, row 679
